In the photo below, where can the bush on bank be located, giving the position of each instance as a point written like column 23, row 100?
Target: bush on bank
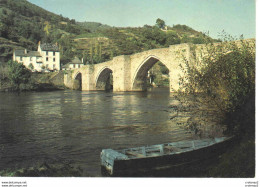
column 15, row 76
column 227, row 77
column 18, row 74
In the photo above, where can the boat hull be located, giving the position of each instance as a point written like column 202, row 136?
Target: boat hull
column 175, row 162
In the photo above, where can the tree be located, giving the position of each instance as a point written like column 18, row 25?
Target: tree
column 43, row 68
column 198, row 40
column 6, row 23
column 31, row 66
column 18, row 73
column 3, row 30
column 91, row 54
column 111, row 55
column 172, row 38
column 227, row 77
column 47, row 27
column 73, row 21
column 160, row 23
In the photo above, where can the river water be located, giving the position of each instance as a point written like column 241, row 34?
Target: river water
column 74, row 126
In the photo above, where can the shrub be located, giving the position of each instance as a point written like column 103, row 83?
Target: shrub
column 18, row 74
column 227, row 76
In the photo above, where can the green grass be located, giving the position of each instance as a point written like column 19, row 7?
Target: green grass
column 239, row 161
column 89, row 35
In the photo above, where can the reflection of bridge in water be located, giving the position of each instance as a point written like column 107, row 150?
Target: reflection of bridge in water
column 130, row 71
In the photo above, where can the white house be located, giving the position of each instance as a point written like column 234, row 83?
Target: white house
column 46, row 58
column 75, row 63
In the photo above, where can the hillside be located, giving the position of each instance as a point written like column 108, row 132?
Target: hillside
column 23, row 24
column 118, row 41
column 93, row 26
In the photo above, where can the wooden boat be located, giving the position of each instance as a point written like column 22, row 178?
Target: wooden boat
column 126, row 161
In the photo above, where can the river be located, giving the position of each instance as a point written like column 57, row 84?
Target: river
column 74, row 126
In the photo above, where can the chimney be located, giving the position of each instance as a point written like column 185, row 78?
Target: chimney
column 25, row 51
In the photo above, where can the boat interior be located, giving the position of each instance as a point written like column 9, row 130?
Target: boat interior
column 168, row 148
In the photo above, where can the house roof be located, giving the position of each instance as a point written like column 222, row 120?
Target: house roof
column 34, row 53
column 76, row 61
column 66, row 65
column 20, row 52
column 49, row 47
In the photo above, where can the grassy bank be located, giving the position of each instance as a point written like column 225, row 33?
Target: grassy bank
column 238, row 162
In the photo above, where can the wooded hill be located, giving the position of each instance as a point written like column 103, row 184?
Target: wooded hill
column 23, row 24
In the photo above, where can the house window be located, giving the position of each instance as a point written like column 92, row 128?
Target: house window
column 47, row 59
column 54, row 53
column 74, row 66
column 53, row 59
column 21, row 58
column 47, row 66
column 54, row 66
column 46, row 52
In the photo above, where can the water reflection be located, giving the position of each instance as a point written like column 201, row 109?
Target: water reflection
column 75, row 126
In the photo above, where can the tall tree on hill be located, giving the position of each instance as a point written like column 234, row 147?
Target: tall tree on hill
column 160, row 23
column 47, row 28
column 91, row 54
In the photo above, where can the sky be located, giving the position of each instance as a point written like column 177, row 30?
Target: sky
column 235, row 17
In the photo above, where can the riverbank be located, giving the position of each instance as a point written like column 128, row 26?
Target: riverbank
column 38, row 82
column 238, row 162
column 45, row 170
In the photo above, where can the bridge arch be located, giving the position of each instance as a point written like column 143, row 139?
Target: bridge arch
column 104, row 80
column 77, row 81
column 140, row 75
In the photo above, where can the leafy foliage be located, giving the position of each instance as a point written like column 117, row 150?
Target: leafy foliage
column 24, row 24
column 93, row 26
column 18, row 74
column 159, row 75
column 160, row 23
column 227, row 76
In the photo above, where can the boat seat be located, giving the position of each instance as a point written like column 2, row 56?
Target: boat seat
column 172, row 149
column 134, row 154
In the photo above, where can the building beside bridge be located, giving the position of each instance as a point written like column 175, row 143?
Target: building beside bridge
column 46, row 58
column 75, row 63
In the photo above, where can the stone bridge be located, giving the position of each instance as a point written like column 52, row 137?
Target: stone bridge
column 130, row 71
